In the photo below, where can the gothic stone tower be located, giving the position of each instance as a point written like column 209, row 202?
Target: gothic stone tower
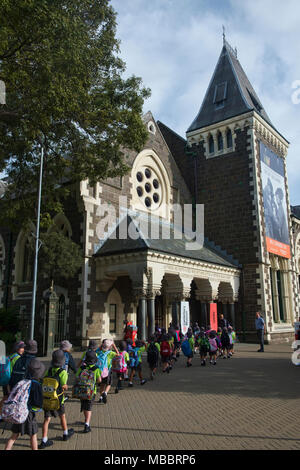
column 241, row 179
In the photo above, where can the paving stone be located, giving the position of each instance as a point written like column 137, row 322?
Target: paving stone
column 248, row 402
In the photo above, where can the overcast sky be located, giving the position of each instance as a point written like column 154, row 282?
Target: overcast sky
column 174, row 45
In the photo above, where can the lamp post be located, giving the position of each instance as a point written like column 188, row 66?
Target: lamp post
column 37, row 247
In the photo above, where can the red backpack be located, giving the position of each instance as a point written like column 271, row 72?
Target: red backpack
column 165, row 349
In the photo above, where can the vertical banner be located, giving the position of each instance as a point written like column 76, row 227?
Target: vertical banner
column 213, row 316
column 184, row 316
column 275, row 204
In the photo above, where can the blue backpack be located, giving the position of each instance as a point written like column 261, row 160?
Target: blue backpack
column 134, row 357
column 5, row 371
column 102, row 362
column 186, row 348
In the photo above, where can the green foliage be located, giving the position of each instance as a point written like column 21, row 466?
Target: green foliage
column 59, row 256
column 64, row 88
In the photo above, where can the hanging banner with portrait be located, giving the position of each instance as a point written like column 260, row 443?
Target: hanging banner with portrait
column 275, row 206
column 184, row 316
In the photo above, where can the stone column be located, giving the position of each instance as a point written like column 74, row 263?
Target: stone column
column 231, row 318
column 225, row 310
column 203, row 314
column 151, row 315
column 141, row 320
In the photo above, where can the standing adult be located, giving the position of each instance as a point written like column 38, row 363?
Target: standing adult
column 260, row 330
column 223, row 322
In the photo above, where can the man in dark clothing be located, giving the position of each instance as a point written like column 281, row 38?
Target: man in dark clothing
column 223, row 323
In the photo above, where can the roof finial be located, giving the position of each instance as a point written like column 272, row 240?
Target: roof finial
column 224, row 36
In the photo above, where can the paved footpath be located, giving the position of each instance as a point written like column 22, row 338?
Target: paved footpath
column 250, row 401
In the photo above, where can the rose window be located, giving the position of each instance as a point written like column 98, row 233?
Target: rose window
column 148, row 188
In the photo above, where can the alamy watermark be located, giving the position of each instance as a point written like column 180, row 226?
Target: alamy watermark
column 124, row 223
column 2, row 92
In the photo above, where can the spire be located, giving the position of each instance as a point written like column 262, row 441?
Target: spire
column 230, row 92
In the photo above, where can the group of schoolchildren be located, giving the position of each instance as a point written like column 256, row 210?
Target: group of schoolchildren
column 30, row 389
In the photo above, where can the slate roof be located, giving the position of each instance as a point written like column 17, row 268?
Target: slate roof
column 208, row 253
column 230, row 82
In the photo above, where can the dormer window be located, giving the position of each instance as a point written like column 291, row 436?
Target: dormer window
column 220, row 95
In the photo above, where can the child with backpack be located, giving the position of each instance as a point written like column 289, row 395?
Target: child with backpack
column 21, row 364
column 66, row 347
column 6, row 369
column 22, row 404
column 153, row 350
column 54, row 385
column 232, row 338
column 120, row 365
column 135, row 362
column 204, row 347
column 187, row 347
column 105, row 356
column 225, row 340
column 213, row 348
column 165, row 353
column 88, row 377
column 92, row 346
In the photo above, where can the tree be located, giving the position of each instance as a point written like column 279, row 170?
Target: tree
column 65, row 89
column 59, row 256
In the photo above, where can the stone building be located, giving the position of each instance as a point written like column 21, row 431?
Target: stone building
column 230, row 158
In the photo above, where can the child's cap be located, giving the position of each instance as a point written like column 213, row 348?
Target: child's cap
column 58, row 358
column 19, row 345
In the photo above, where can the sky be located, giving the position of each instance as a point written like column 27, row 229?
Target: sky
column 174, row 46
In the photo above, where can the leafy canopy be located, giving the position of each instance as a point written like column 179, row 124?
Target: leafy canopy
column 65, row 89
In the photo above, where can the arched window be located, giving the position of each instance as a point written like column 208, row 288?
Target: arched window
column 211, row 144
column 229, row 139
column 220, row 141
column 27, row 271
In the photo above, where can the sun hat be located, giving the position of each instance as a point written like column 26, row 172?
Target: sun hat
column 36, row 369
column 90, row 358
column 65, row 345
column 58, row 358
column 106, row 344
column 31, row 347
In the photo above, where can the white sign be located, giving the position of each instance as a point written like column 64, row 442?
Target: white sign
column 184, row 316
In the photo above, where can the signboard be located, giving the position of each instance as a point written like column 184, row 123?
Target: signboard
column 275, row 206
column 184, row 316
column 213, row 316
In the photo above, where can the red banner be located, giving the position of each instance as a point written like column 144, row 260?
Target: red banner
column 278, row 248
column 213, row 317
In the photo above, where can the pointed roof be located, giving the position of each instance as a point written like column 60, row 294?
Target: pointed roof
column 229, row 94
column 139, row 241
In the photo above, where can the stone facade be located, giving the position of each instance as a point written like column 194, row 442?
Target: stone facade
column 218, row 165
